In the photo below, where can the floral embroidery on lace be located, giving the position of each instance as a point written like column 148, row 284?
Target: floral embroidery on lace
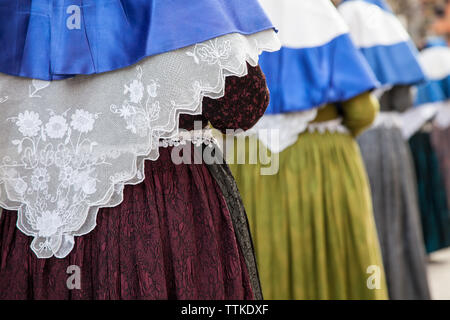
column 57, row 153
column 69, row 147
column 36, row 86
column 137, row 114
column 211, row 52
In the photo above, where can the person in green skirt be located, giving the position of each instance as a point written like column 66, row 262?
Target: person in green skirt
column 312, row 220
column 312, row 223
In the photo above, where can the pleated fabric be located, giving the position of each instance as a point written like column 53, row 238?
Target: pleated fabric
column 396, row 208
column 312, row 223
column 53, row 39
column 432, row 195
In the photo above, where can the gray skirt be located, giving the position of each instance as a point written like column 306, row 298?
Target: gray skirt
column 396, row 208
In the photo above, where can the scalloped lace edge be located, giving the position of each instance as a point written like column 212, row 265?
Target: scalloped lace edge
column 114, row 195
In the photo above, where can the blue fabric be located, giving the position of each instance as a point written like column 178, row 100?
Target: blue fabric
column 433, row 91
column 446, row 86
column 301, row 79
column 380, row 3
column 37, row 42
column 395, row 64
column 435, row 42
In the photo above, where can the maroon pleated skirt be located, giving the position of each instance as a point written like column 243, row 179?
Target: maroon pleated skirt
column 171, row 238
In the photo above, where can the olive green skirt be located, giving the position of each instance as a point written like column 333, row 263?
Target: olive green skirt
column 312, row 223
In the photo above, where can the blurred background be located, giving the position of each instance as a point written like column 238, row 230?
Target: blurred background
column 422, row 18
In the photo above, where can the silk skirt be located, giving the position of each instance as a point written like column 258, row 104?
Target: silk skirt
column 173, row 237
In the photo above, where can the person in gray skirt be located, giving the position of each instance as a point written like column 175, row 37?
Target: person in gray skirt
column 392, row 178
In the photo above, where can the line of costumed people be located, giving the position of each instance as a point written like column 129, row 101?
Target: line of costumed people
column 107, row 108
column 409, row 198
column 337, row 210
column 98, row 97
column 312, row 222
column 392, row 56
column 429, row 142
